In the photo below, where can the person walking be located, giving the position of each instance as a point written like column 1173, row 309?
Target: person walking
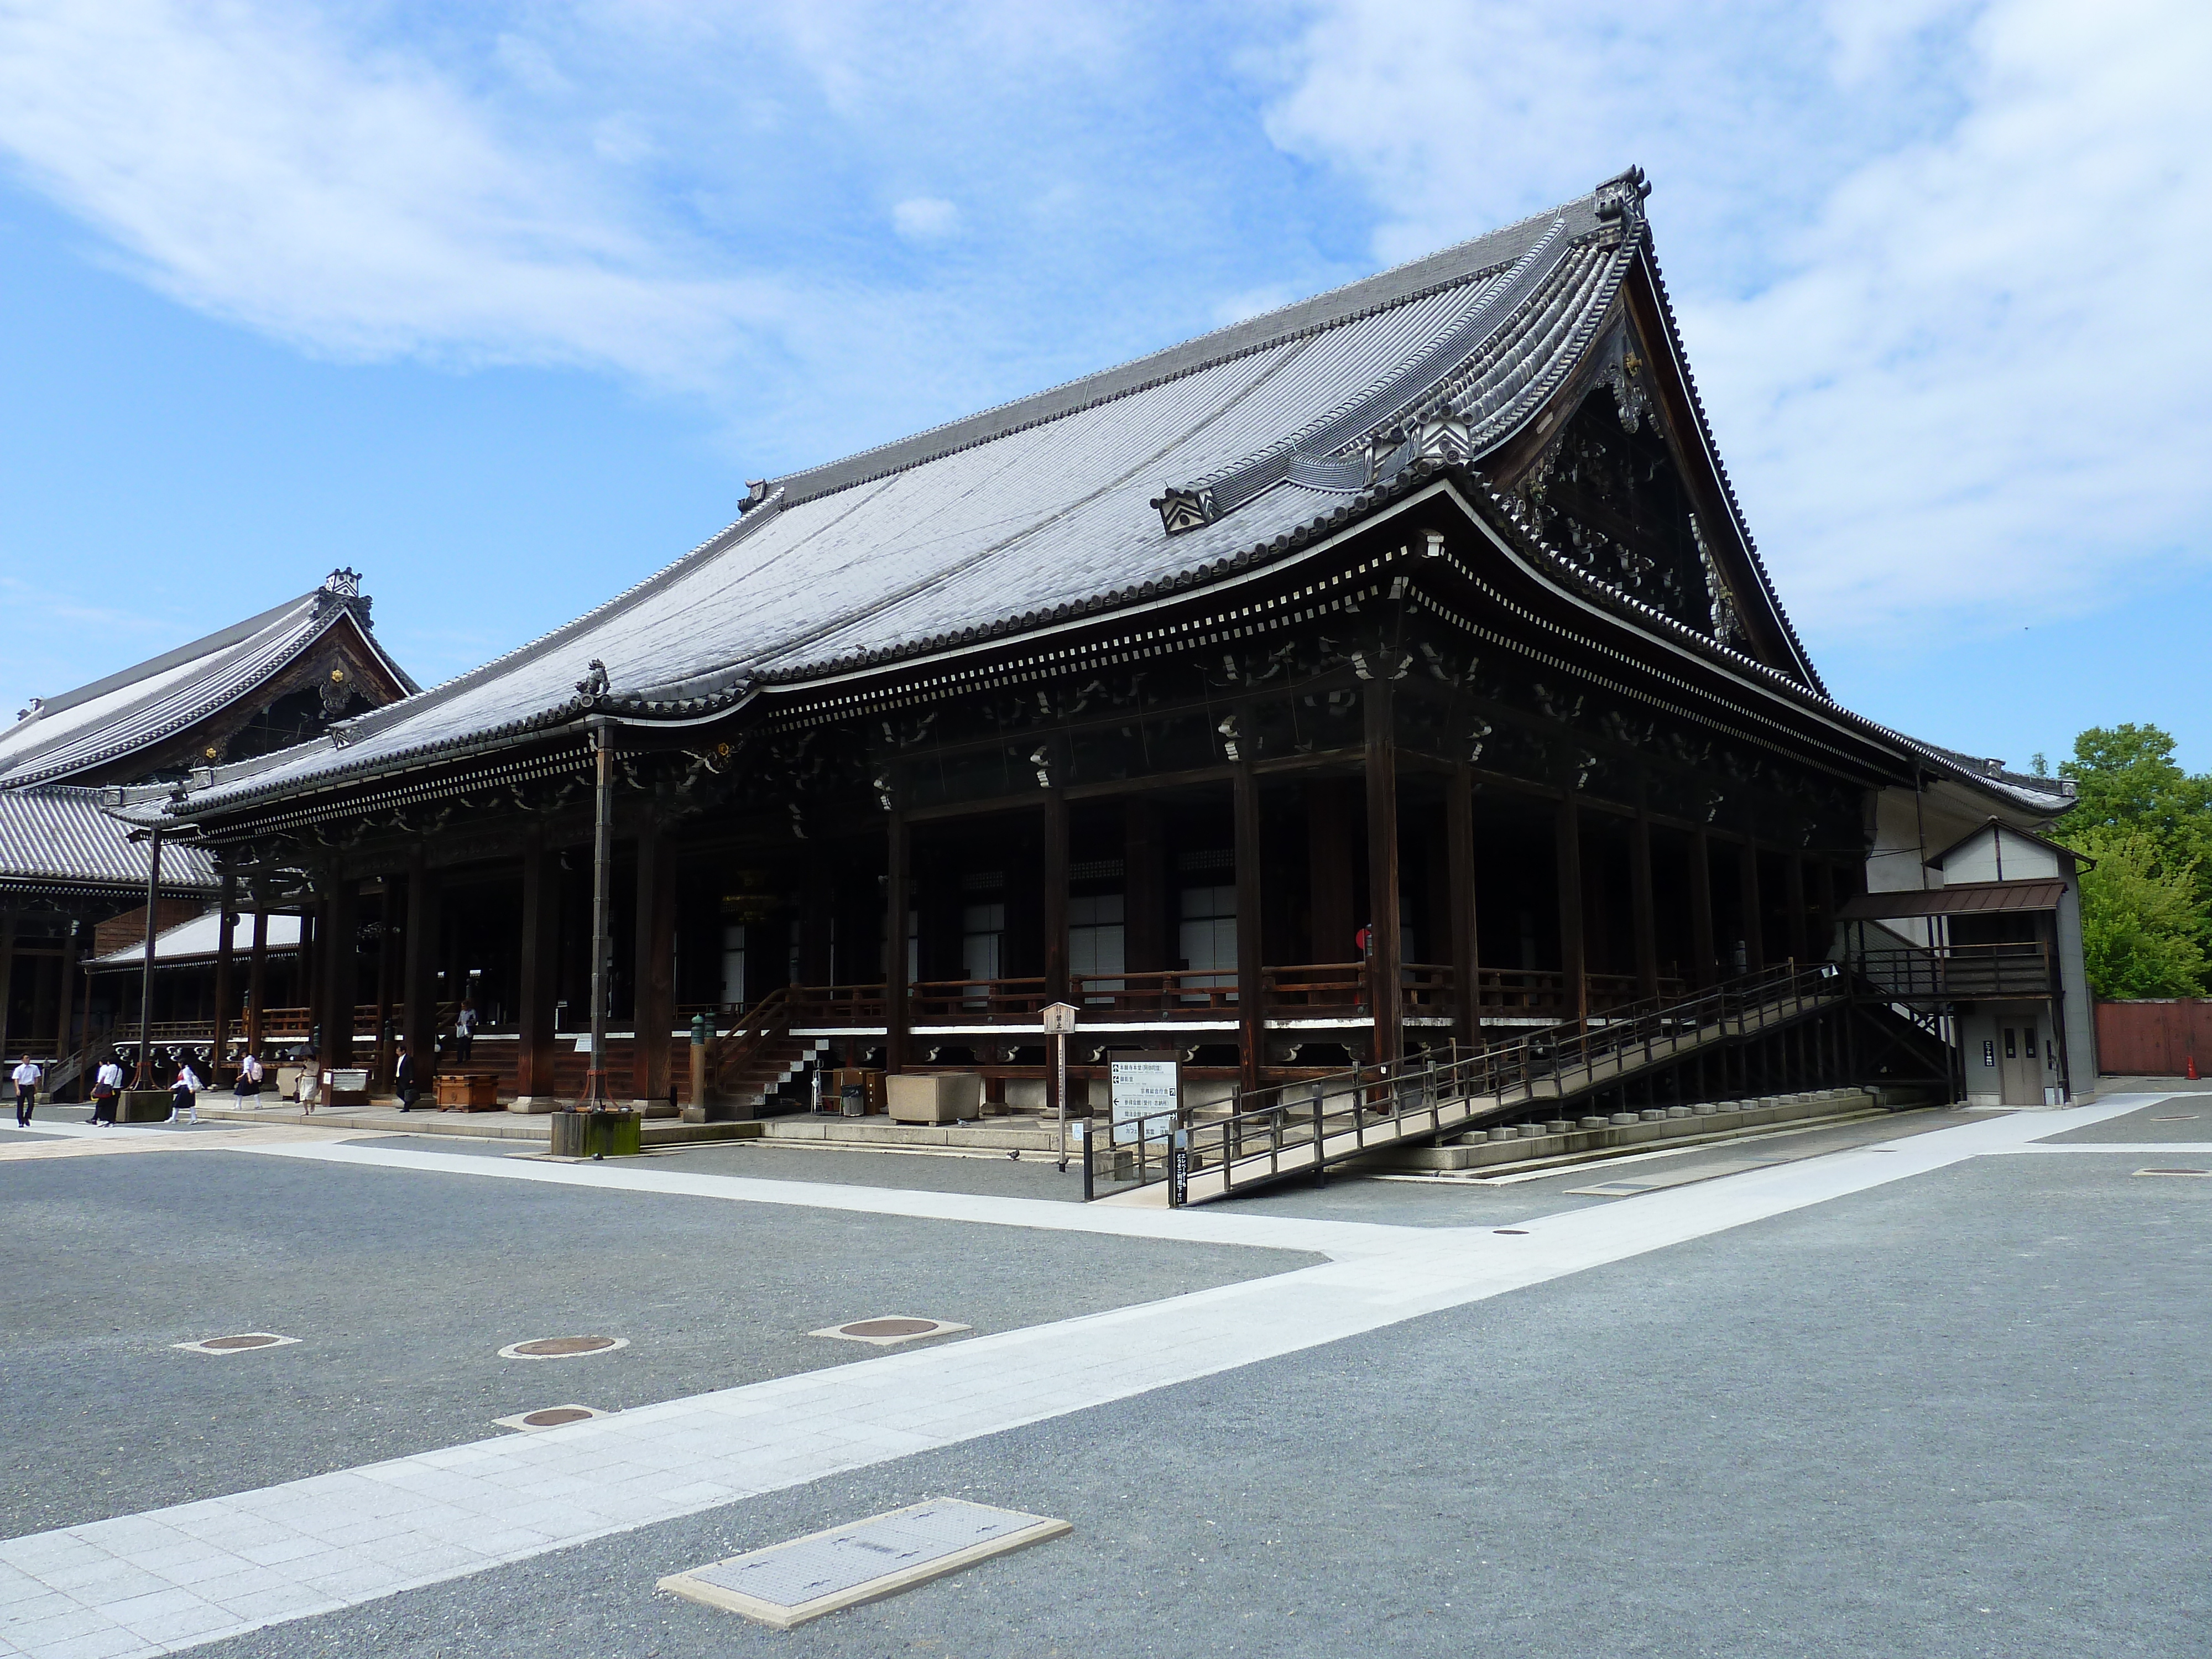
column 249, row 1076
column 184, row 1093
column 464, row 1031
column 26, row 1077
column 405, row 1081
column 106, row 1084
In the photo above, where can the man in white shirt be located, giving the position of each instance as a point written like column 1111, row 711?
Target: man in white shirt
column 249, row 1075
column 106, row 1084
column 26, row 1077
column 184, row 1094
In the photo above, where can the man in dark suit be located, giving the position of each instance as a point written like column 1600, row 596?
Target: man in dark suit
column 407, row 1079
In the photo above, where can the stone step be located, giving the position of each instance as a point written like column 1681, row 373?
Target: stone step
column 1522, row 1143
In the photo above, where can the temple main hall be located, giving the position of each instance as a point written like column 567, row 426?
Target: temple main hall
column 1392, row 676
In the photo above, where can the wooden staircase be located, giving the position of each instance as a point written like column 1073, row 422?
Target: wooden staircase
column 758, row 1059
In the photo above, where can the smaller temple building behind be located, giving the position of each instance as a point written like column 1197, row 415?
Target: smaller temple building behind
column 76, row 881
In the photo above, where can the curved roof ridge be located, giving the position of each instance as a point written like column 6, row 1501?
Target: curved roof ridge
column 1736, row 519
column 1390, row 288
column 345, row 732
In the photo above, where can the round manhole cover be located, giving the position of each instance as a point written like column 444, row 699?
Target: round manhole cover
column 555, row 1417
column 562, row 1347
column 225, row 1344
column 888, row 1327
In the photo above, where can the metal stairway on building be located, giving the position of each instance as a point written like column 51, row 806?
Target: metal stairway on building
column 1764, row 1028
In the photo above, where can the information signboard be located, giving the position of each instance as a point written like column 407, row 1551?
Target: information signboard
column 1144, row 1086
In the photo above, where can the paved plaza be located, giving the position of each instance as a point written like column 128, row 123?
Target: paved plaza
column 1927, row 1384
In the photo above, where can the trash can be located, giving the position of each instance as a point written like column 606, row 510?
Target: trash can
column 853, row 1100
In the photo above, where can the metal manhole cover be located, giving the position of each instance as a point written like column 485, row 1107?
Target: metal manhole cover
column 885, row 1331
column 243, row 1342
column 788, row 1584
column 549, row 1417
column 562, row 1347
column 2175, row 1172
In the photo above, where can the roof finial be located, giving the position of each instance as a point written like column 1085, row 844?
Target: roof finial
column 345, row 581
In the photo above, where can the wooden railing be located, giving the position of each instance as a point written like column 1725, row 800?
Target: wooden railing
column 1319, row 988
column 1185, row 992
column 768, row 1023
column 1309, row 989
column 939, row 1000
column 834, row 1005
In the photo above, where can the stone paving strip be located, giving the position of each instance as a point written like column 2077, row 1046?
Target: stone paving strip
column 176, row 1578
column 81, row 1140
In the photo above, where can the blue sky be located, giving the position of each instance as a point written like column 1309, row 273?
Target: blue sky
column 503, row 306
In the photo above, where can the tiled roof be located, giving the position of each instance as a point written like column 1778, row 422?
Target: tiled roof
column 69, row 735
column 53, row 835
column 199, row 940
column 1038, row 508
column 1157, row 475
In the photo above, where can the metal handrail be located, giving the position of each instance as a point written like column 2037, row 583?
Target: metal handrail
column 1371, row 1106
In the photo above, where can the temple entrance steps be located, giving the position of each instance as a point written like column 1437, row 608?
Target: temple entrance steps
column 761, row 1057
column 747, row 1083
column 1784, row 1029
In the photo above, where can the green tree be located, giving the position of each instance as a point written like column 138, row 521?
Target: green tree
column 2147, row 906
column 2142, row 918
column 2125, row 777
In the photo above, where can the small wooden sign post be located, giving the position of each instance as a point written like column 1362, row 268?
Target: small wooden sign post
column 1059, row 1021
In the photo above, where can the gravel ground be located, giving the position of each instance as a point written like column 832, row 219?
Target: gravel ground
column 2185, row 1117
column 404, row 1285
column 1960, row 1415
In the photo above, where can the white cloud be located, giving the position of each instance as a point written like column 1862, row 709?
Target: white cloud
column 925, row 218
column 530, row 64
column 354, row 201
column 1937, row 267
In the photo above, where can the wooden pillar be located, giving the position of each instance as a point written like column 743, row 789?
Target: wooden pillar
column 1459, row 885
column 1573, row 965
column 1328, row 872
column 418, row 991
column 388, row 977
column 1144, row 888
column 654, row 1004
column 1639, row 891
column 309, row 972
column 256, row 980
column 1755, row 919
column 1251, row 995
column 7, row 975
column 1054, row 957
column 42, row 1001
column 342, row 910
column 537, row 982
column 226, row 921
column 1705, row 966
column 817, row 932
column 1793, row 896
column 1382, row 768
column 65, row 992
column 897, row 1014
